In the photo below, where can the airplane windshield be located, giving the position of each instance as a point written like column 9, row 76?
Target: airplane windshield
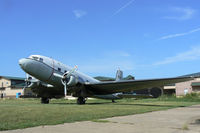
column 34, row 57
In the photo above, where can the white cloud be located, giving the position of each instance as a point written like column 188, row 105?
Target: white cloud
column 123, row 7
column 117, row 54
column 79, row 13
column 183, row 13
column 179, row 34
column 192, row 54
column 124, row 54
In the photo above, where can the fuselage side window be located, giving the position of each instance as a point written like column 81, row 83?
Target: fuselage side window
column 41, row 59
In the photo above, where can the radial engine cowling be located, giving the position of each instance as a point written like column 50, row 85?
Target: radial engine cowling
column 33, row 84
column 72, row 80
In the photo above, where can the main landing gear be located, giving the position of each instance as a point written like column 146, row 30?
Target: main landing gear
column 81, row 100
column 45, row 100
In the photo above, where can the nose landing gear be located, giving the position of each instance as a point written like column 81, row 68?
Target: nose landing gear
column 45, row 100
column 81, row 100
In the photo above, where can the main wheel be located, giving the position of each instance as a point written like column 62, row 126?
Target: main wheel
column 81, row 100
column 45, row 100
column 156, row 92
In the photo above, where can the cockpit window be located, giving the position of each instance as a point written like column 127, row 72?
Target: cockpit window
column 35, row 58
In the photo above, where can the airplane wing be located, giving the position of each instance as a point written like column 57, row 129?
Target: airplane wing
column 131, row 85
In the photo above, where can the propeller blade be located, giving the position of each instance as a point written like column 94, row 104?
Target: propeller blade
column 24, row 89
column 58, row 75
column 65, row 90
column 26, row 83
column 71, row 71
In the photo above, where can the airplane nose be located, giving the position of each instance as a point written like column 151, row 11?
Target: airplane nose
column 22, row 63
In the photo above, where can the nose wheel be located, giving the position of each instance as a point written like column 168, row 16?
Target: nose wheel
column 81, row 100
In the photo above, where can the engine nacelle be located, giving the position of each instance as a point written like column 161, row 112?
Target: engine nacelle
column 33, row 84
column 156, row 92
column 72, row 81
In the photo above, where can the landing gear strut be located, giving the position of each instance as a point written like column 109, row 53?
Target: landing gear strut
column 81, row 100
column 113, row 101
column 44, row 100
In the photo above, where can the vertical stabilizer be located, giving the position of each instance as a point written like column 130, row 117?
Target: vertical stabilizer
column 119, row 75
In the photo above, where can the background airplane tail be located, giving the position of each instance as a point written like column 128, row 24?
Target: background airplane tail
column 119, row 75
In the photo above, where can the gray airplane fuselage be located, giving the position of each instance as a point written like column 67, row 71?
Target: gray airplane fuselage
column 43, row 68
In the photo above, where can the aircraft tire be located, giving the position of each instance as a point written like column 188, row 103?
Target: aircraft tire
column 44, row 100
column 156, row 92
column 81, row 100
column 113, row 101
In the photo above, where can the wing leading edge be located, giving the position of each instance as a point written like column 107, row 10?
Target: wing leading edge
column 131, row 85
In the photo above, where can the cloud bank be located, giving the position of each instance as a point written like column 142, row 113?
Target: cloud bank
column 192, row 54
column 183, row 13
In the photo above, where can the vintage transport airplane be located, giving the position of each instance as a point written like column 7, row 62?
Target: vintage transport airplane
column 51, row 79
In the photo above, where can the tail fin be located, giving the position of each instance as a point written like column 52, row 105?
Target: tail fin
column 119, row 75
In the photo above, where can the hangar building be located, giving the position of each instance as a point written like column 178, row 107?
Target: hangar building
column 184, row 88
column 10, row 86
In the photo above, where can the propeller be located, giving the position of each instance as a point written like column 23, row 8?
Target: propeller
column 66, row 78
column 29, row 81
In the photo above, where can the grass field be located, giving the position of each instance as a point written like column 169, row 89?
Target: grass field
column 22, row 113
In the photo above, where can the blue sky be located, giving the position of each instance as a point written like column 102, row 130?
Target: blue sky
column 147, row 39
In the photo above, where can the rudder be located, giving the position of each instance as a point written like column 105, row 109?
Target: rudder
column 119, row 75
